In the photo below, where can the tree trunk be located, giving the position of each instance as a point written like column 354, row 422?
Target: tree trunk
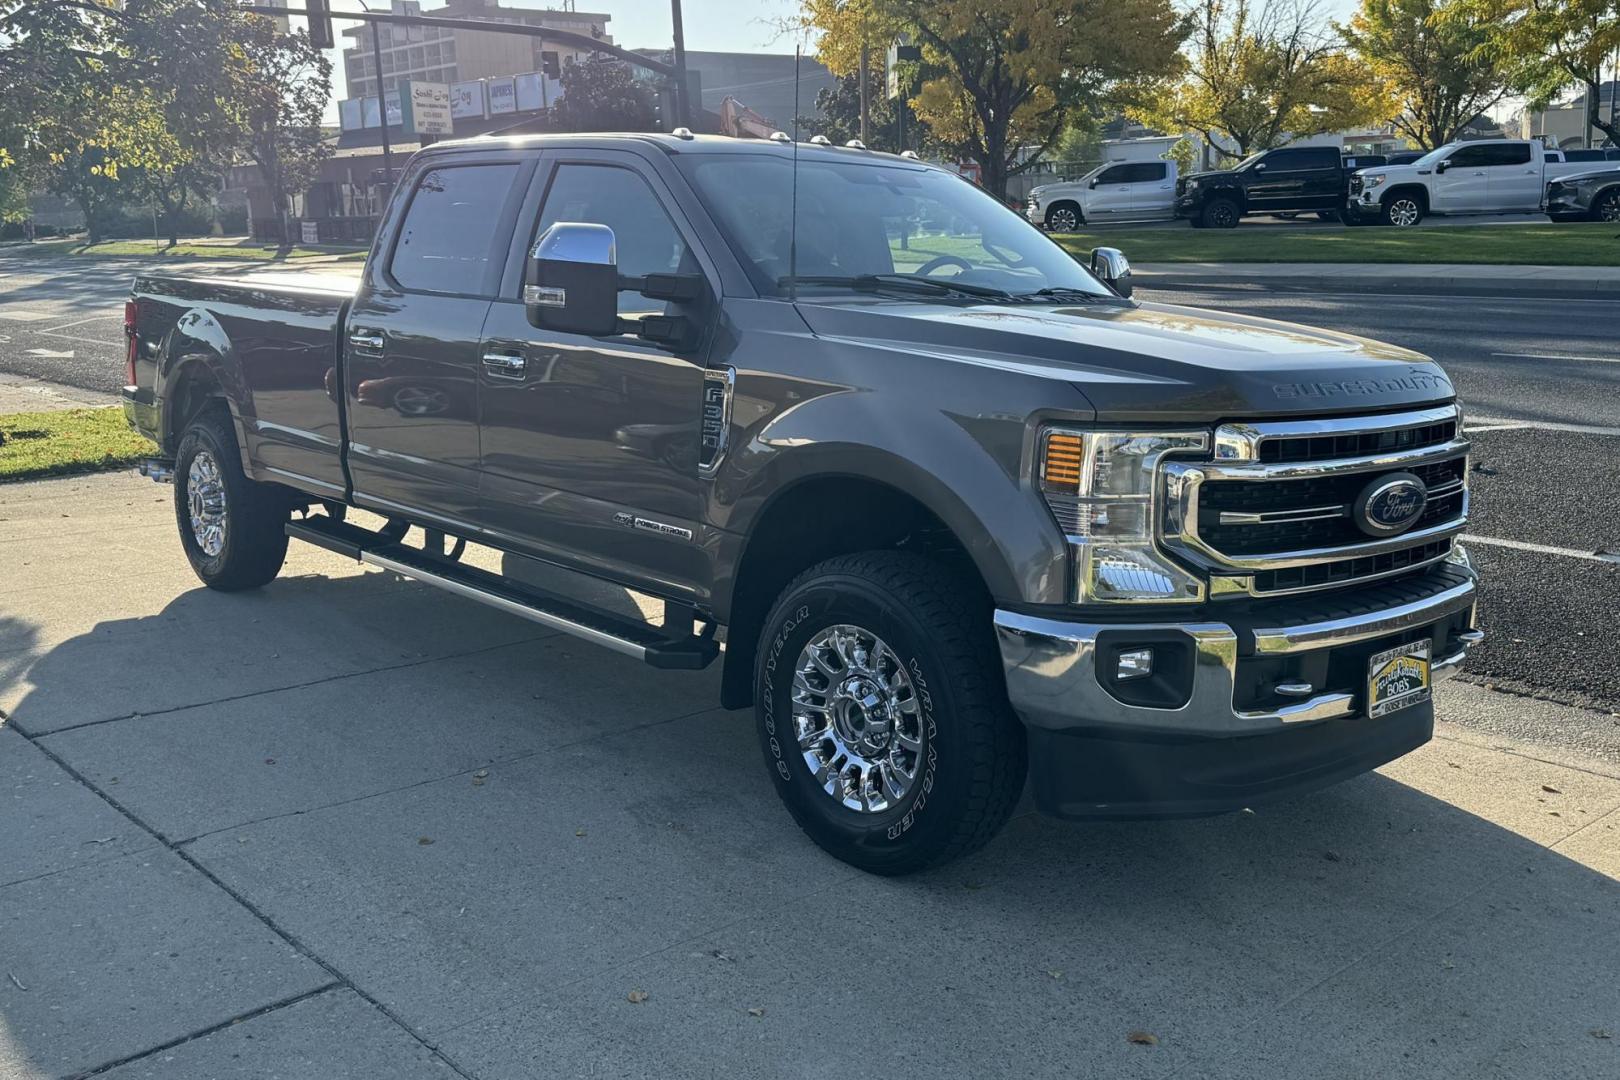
column 994, row 165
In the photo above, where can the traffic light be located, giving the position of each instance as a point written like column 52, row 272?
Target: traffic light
column 320, row 23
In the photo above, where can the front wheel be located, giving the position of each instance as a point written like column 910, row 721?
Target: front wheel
column 1402, row 211
column 1607, row 206
column 1221, row 214
column 232, row 528
column 1063, row 217
column 883, row 714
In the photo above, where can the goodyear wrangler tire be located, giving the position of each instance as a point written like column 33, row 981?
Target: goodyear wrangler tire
column 231, row 527
column 883, row 713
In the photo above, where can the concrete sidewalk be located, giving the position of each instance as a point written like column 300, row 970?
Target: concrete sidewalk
column 347, row 826
column 1460, row 278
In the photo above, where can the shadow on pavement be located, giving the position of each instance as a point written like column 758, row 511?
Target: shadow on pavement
column 1369, row 930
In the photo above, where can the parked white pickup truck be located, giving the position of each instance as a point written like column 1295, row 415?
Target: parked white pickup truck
column 1117, row 191
column 1486, row 176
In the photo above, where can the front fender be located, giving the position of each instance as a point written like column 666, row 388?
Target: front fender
column 965, row 469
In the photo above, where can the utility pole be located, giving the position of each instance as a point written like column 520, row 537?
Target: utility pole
column 382, row 102
column 683, row 115
column 866, row 92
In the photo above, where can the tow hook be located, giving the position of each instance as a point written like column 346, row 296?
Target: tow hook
column 161, row 472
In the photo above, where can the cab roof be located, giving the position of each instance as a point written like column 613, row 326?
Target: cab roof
column 678, row 144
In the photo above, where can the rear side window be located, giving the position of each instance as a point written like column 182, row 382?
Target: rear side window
column 446, row 242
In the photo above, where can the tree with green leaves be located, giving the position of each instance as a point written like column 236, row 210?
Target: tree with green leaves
column 1001, row 79
column 282, row 99
column 603, row 95
column 839, row 119
column 1549, row 45
column 1431, row 67
column 1259, row 76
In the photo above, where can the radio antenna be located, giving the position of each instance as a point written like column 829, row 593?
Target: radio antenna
column 793, row 221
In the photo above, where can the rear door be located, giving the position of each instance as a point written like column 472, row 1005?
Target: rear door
column 1513, row 176
column 1150, row 192
column 590, row 445
column 411, row 357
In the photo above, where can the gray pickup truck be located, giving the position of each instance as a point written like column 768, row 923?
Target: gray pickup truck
column 960, row 510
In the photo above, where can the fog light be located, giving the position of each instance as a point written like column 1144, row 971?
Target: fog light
column 1134, row 664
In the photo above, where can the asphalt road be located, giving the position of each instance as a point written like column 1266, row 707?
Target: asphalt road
column 1540, row 378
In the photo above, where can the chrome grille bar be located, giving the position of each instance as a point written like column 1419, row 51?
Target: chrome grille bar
column 1238, row 454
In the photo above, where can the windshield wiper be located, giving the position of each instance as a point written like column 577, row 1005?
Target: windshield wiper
column 1065, row 293
column 903, row 282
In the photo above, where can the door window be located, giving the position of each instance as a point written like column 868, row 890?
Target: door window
column 446, row 242
column 1506, row 153
column 646, row 239
column 1313, row 157
column 1137, row 172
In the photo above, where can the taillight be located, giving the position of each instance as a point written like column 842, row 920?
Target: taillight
column 132, row 313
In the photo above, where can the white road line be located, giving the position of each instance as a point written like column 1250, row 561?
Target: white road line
column 79, row 322
column 1486, row 423
column 1556, row 356
column 1542, row 549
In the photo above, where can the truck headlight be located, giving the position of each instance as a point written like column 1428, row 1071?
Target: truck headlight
column 1101, row 487
column 1372, row 180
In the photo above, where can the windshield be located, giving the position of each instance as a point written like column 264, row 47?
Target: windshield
column 1435, row 155
column 1250, row 160
column 861, row 222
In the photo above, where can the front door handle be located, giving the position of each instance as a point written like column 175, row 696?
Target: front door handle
column 366, row 340
column 505, row 365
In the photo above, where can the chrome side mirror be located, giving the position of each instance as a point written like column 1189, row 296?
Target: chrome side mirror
column 1442, row 166
column 571, row 280
column 1112, row 268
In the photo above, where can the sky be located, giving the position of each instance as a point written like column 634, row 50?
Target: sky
column 717, row 25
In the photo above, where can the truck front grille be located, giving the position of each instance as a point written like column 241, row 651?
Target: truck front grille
column 1355, row 184
column 1277, row 512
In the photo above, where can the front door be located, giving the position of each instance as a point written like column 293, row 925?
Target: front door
column 590, row 445
column 1462, row 186
column 411, row 339
column 1110, row 194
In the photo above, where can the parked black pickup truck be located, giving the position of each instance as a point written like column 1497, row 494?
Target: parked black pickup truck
column 1284, row 182
column 959, row 508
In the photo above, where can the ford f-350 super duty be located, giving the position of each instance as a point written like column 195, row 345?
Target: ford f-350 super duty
column 959, row 508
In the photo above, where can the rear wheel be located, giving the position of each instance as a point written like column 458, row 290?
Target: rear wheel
column 1063, row 217
column 1607, row 206
column 1220, row 214
column 230, row 526
column 882, row 712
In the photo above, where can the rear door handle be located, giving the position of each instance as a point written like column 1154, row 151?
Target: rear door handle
column 366, row 340
column 506, row 365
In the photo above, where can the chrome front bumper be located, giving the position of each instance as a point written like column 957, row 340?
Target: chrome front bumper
column 1053, row 680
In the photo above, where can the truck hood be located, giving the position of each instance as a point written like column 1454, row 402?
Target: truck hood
column 1151, row 362
column 1207, row 174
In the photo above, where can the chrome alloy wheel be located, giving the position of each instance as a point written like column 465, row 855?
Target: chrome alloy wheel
column 1062, row 219
column 857, row 719
column 205, row 503
column 1609, row 208
column 1404, row 212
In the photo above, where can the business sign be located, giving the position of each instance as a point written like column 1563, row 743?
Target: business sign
column 309, row 232
column 426, row 108
column 370, row 110
column 502, row 96
column 351, row 114
column 530, row 93
column 467, row 99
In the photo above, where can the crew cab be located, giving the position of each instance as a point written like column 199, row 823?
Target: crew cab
column 1486, row 176
column 1117, row 191
column 1289, row 180
column 958, row 508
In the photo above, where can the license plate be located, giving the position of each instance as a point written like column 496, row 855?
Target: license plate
column 1397, row 678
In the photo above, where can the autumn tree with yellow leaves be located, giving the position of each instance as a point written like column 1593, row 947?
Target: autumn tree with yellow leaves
column 1261, row 75
column 1001, row 79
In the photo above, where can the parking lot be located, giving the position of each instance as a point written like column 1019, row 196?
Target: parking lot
column 348, row 825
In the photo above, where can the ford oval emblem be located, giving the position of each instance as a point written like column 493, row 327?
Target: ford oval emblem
column 1390, row 504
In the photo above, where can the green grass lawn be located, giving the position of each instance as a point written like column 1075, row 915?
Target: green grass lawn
column 1584, row 244
column 188, row 249
column 39, row 444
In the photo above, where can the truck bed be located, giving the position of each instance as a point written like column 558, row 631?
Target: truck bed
column 267, row 342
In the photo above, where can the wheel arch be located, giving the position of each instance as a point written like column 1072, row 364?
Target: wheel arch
column 1418, row 190
column 817, row 517
column 196, row 367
